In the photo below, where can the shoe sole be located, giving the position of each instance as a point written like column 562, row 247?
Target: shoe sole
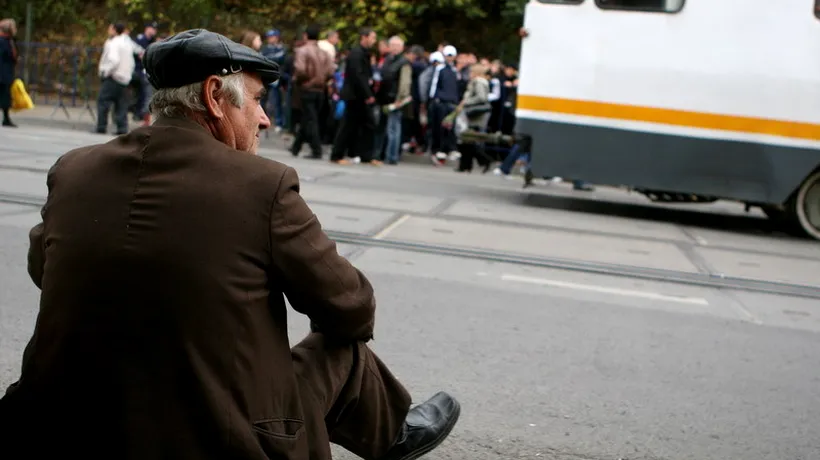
column 441, row 437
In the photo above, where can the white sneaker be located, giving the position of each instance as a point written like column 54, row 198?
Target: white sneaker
column 497, row 172
column 441, row 156
column 356, row 160
column 455, row 155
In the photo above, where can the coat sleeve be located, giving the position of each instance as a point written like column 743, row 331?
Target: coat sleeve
column 405, row 82
column 299, row 65
column 37, row 247
column 478, row 92
column 36, row 255
column 358, row 70
column 318, row 282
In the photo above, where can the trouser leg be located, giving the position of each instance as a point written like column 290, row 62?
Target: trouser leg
column 109, row 92
column 348, row 133
column 121, row 108
column 350, row 398
column 311, row 107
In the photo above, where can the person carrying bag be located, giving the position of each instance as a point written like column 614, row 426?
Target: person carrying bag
column 476, row 108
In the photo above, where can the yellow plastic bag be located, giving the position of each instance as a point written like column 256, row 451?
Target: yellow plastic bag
column 20, row 100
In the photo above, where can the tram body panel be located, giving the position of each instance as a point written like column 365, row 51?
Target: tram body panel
column 720, row 99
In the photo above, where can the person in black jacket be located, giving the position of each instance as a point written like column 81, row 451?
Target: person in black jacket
column 8, row 61
column 358, row 124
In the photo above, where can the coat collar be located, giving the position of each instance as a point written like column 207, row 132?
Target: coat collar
column 183, row 123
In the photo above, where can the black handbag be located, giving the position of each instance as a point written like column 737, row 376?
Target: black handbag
column 476, row 110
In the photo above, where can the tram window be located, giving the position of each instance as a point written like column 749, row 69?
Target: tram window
column 566, row 2
column 659, row 6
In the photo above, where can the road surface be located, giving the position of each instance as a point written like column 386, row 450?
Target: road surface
column 570, row 325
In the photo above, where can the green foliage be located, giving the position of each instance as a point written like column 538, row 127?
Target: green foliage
column 482, row 26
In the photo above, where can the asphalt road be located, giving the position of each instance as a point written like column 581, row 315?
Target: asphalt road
column 548, row 362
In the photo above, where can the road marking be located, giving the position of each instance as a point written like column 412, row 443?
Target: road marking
column 387, row 230
column 606, row 290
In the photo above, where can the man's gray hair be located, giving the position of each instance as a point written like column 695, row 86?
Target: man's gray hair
column 179, row 102
column 396, row 39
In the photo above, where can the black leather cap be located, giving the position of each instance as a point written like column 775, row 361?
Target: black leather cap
column 194, row 55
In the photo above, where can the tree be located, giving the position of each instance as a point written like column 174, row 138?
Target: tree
column 425, row 22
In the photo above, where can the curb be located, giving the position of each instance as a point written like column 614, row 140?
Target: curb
column 82, row 122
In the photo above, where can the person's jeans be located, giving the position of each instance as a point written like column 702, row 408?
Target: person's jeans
column 514, row 154
column 394, row 121
column 114, row 94
column 275, row 95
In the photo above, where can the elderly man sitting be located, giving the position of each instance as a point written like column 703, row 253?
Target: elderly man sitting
column 162, row 258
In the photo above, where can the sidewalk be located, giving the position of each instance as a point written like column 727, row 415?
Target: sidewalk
column 53, row 116
column 81, row 119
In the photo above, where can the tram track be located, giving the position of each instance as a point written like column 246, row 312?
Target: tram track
column 439, row 212
column 707, row 280
column 623, row 271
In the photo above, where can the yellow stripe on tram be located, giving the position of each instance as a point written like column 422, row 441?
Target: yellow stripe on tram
column 793, row 129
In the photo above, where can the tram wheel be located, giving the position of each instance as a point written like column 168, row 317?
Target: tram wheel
column 806, row 206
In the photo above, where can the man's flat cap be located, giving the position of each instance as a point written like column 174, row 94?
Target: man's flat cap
column 194, row 55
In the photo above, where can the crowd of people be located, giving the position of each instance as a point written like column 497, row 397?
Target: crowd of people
column 380, row 99
column 370, row 103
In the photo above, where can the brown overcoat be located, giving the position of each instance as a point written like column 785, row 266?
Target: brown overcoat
column 162, row 258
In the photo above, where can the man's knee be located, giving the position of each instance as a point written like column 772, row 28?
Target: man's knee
column 318, row 346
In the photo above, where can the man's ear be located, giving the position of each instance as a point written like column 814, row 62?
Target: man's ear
column 213, row 97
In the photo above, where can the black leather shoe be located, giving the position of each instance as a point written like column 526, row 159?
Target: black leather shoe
column 425, row 427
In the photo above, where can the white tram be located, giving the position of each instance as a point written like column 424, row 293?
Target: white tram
column 710, row 99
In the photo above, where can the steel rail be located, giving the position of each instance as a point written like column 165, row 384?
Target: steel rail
column 627, row 271
column 718, row 281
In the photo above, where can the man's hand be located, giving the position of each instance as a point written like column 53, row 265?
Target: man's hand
column 370, row 100
column 522, row 32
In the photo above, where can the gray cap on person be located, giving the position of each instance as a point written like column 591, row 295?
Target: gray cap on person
column 194, row 55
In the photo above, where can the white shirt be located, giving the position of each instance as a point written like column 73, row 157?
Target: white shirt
column 434, row 83
column 495, row 89
column 117, row 59
column 328, row 48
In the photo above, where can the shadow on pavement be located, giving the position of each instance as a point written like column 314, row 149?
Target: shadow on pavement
column 748, row 225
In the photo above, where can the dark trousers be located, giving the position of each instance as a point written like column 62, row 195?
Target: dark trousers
column 442, row 140
column 350, row 398
column 380, row 137
column 332, row 125
column 142, row 96
column 324, row 115
column 469, row 152
column 416, row 130
column 112, row 93
column 309, row 124
column 5, row 96
column 5, row 101
column 508, row 121
column 355, row 135
column 139, row 103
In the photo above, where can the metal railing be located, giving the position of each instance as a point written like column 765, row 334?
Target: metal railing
column 60, row 75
